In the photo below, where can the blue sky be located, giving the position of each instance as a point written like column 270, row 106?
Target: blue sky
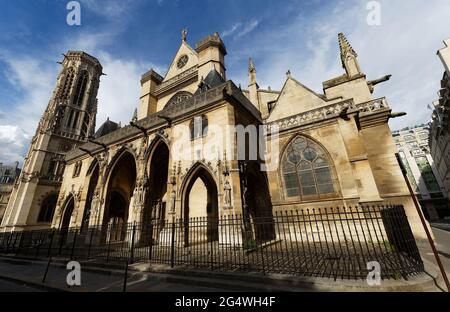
column 131, row 36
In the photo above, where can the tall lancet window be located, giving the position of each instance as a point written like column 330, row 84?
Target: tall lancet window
column 68, row 81
column 81, row 88
column 308, row 172
column 199, row 127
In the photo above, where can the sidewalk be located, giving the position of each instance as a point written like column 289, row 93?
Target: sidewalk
column 158, row 278
column 442, row 243
column 92, row 279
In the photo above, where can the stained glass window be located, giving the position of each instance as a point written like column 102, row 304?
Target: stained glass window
column 307, row 171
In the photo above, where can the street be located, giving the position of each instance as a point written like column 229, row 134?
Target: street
column 9, row 286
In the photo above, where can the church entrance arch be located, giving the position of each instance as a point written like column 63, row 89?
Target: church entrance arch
column 121, row 185
column 200, row 208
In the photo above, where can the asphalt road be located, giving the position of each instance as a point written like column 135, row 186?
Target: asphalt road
column 9, row 286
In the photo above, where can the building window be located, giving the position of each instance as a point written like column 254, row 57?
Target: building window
column 65, row 91
column 77, row 169
column 47, row 209
column 308, row 172
column 409, row 138
column 81, row 88
column 199, row 127
column 178, row 98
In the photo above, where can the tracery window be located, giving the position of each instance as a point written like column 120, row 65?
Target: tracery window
column 178, row 98
column 81, row 88
column 307, row 171
column 68, row 81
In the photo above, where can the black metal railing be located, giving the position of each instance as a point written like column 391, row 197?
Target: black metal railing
column 326, row 242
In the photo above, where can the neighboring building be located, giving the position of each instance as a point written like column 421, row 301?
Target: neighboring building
column 423, row 175
column 8, row 176
column 330, row 149
column 68, row 121
column 440, row 127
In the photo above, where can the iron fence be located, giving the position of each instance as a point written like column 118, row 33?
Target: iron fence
column 324, row 242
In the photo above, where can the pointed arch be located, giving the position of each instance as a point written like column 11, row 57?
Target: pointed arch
column 179, row 97
column 48, row 207
column 210, row 213
column 157, row 171
column 159, row 139
column 91, row 183
column 307, row 170
column 116, row 157
column 67, row 211
column 80, row 90
column 120, row 187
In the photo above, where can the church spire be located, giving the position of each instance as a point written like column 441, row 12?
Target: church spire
column 253, row 85
column 251, row 71
column 348, row 57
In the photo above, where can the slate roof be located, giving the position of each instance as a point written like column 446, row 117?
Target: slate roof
column 107, row 127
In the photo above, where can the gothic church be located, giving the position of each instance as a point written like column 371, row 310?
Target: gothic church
column 334, row 148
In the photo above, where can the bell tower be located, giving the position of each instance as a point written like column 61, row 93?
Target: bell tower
column 68, row 121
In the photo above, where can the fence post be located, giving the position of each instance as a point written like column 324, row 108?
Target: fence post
column 51, row 243
column 211, row 228
column 90, row 243
column 151, row 241
column 125, row 277
column 61, row 240
column 9, row 241
column 46, row 270
column 132, row 243
column 73, row 244
column 20, row 242
column 38, row 247
column 172, row 247
column 109, row 250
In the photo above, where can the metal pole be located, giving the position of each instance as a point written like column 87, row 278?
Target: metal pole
column 125, row 277
column 422, row 219
column 132, row 243
column 90, row 243
column 73, row 244
column 151, row 241
column 172, row 248
column 51, row 243
column 46, row 270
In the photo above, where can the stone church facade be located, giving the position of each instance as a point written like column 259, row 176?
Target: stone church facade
column 320, row 150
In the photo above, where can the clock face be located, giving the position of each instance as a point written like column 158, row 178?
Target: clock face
column 182, row 61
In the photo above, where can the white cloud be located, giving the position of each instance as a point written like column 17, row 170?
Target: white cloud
column 404, row 45
column 14, row 144
column 110, row 8
column 231, row 30
column 35, row 82
column 119, row 90
column 248, row 28
column 240, row 29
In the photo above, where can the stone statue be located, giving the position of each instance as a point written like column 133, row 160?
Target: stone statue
column 173, row 197
column 184, row 34
column 227, row 189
